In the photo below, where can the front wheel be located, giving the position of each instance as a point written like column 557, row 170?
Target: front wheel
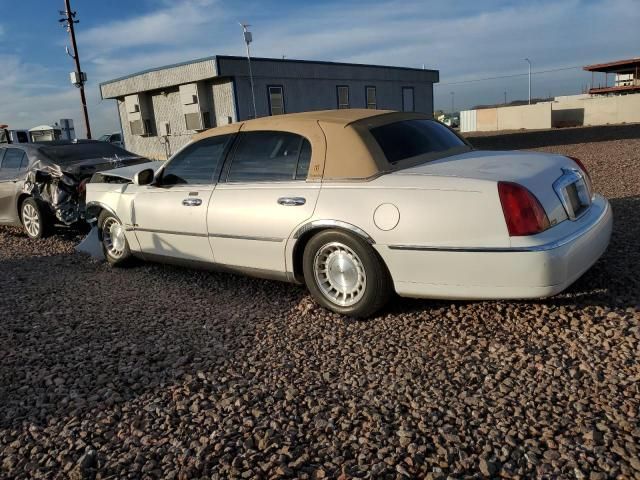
column 114, row 242
column 34, row 220
column 345, row 275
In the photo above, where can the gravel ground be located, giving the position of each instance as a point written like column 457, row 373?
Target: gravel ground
column 161, row 372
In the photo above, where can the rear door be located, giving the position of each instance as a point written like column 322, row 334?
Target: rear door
column 13, row 161
column 262, row 197
column 170, row 217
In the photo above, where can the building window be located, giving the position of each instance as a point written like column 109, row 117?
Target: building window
column 343, row 96
column 276, row 99
column 370, row 94
column 408, row 104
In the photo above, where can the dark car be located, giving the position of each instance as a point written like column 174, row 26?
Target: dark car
column 42, row 184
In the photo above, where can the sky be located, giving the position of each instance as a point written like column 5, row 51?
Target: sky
column 466, row 40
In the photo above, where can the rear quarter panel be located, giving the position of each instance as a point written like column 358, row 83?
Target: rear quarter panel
column 433, row 211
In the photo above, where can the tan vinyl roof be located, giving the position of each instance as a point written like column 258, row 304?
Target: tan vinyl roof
column 341, row 147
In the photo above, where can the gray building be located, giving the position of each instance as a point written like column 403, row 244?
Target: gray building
column 161, row 108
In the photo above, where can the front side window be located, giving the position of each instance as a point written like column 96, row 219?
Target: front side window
column 198, row 164
column 410, row 138
column 276, row 100
column 270, row 157
column 371, row 97
column 343, row 96
column 13, row 159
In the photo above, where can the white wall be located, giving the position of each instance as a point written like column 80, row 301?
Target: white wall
column 567, row 111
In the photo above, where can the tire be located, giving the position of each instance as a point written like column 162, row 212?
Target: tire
column 113, row 241
column 34, row 219
column 355, row 281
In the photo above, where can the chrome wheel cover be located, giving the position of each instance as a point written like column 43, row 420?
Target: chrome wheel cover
column 339, row 274
column 113, row 237
column 31, row 219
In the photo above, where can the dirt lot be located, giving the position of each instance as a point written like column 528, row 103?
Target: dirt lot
column 158, row 371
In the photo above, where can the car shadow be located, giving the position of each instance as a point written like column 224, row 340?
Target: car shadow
column 547, row 138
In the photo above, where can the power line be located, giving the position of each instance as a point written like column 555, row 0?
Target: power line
column 507, row 76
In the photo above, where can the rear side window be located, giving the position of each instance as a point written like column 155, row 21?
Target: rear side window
column 410, row 138
column 14, row 159
column 198, row 164
column 270, row 157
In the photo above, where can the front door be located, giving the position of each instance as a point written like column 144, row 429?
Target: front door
column 262, row 197
column 13, row 162
column 170, row 217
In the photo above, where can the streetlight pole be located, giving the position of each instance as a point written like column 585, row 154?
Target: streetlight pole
column 529, row 62
column 453, row 95
column 248, row 38
column 80, row 77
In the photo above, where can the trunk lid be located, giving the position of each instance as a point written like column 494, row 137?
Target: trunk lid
column 536, row 171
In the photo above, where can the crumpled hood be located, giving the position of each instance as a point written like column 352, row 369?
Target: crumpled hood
column 129, row 171
column 87, row 167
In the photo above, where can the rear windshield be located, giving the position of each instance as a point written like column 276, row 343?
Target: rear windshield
column 409, row 138
column 83, row 151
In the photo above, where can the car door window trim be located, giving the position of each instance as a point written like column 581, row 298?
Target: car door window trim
column 215, row 175
column 231, row 156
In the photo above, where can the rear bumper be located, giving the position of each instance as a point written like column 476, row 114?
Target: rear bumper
column 533, row 270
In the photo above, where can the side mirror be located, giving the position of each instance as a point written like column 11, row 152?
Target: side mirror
column 144, row 177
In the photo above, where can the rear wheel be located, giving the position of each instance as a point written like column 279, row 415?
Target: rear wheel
column 34, row 219
column 113, row 240
column 345, row 275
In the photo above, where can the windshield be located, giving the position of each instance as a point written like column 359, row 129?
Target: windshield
column 409, row 138
column 71, row 153
column 104, row 138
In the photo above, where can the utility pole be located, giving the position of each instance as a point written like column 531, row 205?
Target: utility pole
column 505, row 97
column 453, row 95
column 78, row 78
column 529, row 62
column 248, row 38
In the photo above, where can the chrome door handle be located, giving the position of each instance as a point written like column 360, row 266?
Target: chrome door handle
column 191, row 202
column 292, row 201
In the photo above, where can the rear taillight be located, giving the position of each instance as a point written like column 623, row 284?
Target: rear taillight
column 587, row 177
column 522, row 210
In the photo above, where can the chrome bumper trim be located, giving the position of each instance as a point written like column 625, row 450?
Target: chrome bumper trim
column 533, row 248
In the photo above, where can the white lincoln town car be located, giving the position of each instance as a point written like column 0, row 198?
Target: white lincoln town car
column 357, row 204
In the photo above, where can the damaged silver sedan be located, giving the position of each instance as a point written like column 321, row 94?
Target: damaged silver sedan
column 43, row 184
